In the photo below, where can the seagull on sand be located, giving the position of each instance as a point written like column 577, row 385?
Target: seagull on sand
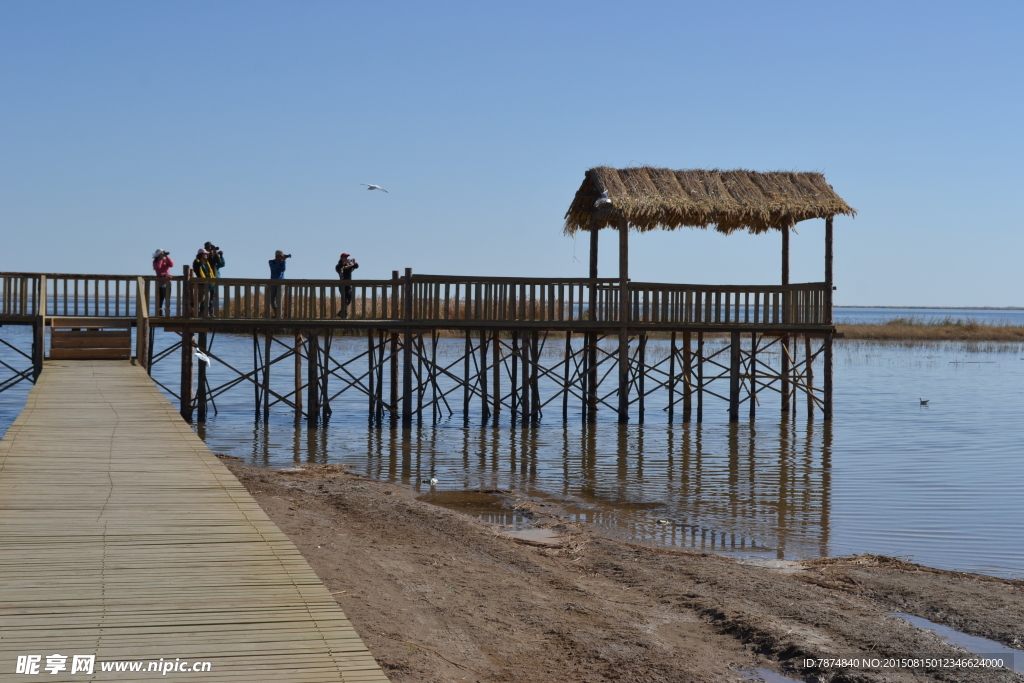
column 603, row 200
column 374, row 187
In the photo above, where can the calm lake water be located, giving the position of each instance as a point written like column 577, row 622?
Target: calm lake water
column 942, row 485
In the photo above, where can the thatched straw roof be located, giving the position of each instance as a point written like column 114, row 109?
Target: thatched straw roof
column 650, row 198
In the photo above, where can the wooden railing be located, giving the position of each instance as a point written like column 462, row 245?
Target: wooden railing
column 432, row 298
column 729, row 304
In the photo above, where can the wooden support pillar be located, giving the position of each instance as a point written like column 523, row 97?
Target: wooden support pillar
column 150, row 342
column 268, row 339
column 809, row 375
column 753, row 375
column 829, row 287
column 467, row 359
column 784, row 347
column 256, row 368
column 671, row 377
column 623, row 409
column 298, row 375
column 687, row 377
column 371, row 370
column 185, row 393
column 827, row 397
column 535, row 376
column 524, row 401
column 496, row 369
column 485, row 408
column 380, row 375
column 514, row 377
column 641, row 356
column 734, row 377
column 313, row 370
column 407, row 353
column 565, row 376
column 700, row 377
column 201, row 398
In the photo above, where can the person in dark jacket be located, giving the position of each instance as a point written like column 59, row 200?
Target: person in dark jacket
column 277, row 268
column 346, row 264
column 216, row 257
column 201, row 268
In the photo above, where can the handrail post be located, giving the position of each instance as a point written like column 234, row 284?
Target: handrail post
column 38, row 330
column 407, row 351
column 141, row 323
column 186, row 292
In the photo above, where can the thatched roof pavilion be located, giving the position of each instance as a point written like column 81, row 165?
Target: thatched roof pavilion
column 650, row 198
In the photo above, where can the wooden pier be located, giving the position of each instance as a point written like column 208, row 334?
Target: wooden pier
column 732, row 343
column 123, row 537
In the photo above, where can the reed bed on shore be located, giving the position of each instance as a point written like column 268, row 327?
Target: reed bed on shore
column 946, row 329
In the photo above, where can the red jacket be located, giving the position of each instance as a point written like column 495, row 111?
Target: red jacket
column 163, row 266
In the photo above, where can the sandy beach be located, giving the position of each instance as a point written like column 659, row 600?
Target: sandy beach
column 441, row 596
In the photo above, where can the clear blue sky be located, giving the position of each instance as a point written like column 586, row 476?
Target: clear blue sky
column 127, row 126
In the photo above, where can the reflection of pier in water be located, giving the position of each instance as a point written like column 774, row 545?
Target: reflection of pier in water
column 722, row 488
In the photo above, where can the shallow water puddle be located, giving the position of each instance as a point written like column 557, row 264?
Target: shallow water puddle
column 544, row 537
column 487, row 507
column 983, row 647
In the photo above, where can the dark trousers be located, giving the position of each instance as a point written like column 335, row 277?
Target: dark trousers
column 163, row 297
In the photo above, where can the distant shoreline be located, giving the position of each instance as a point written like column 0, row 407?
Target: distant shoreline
column 943, row 308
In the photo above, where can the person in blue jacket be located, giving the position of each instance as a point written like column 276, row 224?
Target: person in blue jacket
column 277, row 267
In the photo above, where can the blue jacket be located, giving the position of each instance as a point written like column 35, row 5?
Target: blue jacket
column 277, row 269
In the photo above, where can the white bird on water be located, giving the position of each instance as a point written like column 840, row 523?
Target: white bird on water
column 374, row 187
column 603, row 200
column 923, row 401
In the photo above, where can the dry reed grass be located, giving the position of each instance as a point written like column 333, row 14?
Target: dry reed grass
column 947, row 329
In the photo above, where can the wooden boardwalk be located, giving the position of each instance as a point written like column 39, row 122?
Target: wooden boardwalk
column 123, row 536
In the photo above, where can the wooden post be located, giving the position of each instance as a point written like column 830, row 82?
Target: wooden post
column 641, row 356
column 313, row 368
column 591, row 337
column 38, row 346
column 734, row 377
column 565, row 376
column 485, row 408
column 298, row 376
column 534, row 376
column 255, row 368
column 141, row 323
column 688, row 377
column 201, row 397
column 672, row 378
column 809, row 375
column 700, row 377
column 496, row 364
column 524, row 402
column 784, row 342
column 514, row 376
column 827, row 398
column 407, row 352
column 185, row 394
column 268, row 338
column 753, row 375
column 371, row 370
column 380, row 376
column 467, row 358
column 185, row 303
column 623, row 321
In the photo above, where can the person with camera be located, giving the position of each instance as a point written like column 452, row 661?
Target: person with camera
column 216, row 257
column 201, row 268
column 346, row 264
column 277, row 268
column 162, row 265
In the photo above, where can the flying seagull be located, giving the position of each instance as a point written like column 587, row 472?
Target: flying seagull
column 373, row 187
column 603, row 200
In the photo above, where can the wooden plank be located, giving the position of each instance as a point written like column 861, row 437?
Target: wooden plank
column 91, row 354
column 118, row 342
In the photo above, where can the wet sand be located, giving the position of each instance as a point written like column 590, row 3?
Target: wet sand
column 441, row 596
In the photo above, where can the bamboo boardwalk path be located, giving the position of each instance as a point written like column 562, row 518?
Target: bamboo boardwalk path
column 123, row 536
